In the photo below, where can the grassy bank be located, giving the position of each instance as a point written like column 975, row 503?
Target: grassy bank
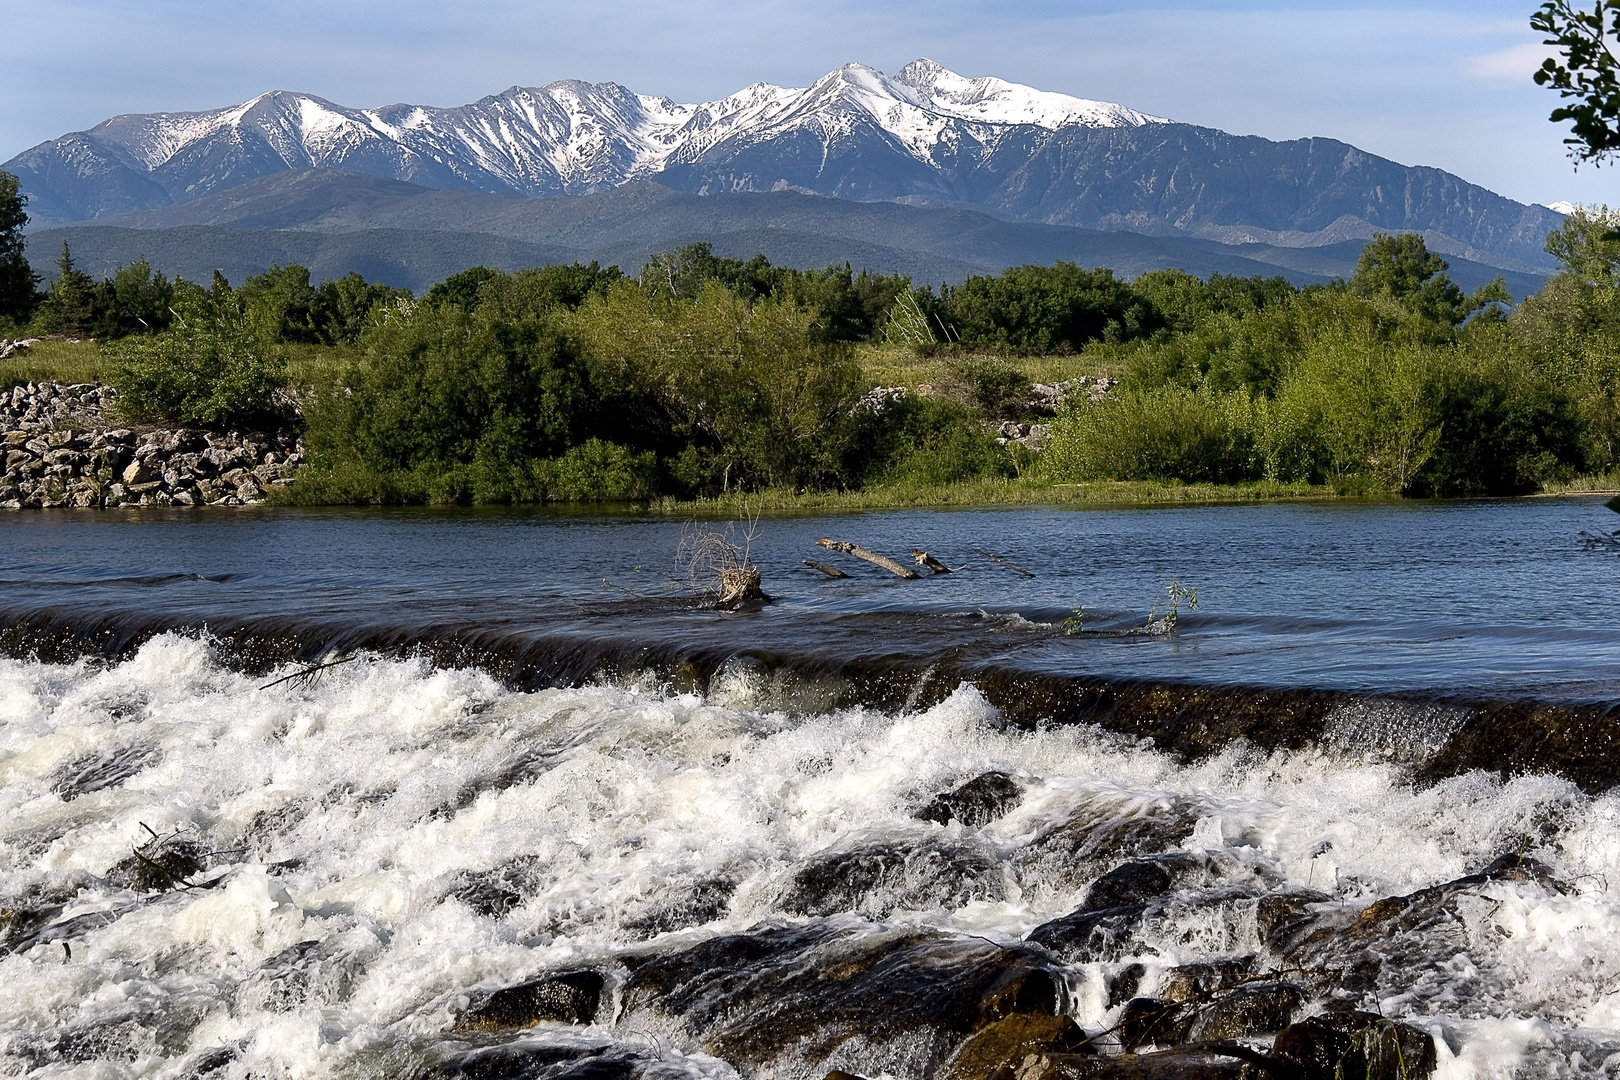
column 981, row 492
column 893, row 365
column 1600, row 484
column 54, row 361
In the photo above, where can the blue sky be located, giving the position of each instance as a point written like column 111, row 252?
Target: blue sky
column 1442, row 82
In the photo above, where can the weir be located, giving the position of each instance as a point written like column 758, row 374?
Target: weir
column 1437, row 736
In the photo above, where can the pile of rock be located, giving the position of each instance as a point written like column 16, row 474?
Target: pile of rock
column 10, row 348
column 1048, row 398
column 57, row 450
column 1030, row 435
column 878, row 399
column 46, row 407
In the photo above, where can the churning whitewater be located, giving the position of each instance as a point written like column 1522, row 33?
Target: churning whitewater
column 401, row 870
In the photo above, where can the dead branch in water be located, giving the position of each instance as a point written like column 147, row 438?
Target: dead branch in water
column 305, row 677
column 830, row 571
column 1003, row 562
column 870, row 556
column 717, row 569
column 1598, row 541
column 924, row 559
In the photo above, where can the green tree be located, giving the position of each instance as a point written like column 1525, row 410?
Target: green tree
column 70, row 306
column 344, row 305
column 210, row 375
column 1402, row 268
column 142, row 300
column 1045, row 308
column 1586, row 72
column 1588, row 244
column 18, row 284
column 281, row 305
column 462, row 289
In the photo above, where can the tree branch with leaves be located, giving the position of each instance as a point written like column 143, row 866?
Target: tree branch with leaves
column 1587, row 72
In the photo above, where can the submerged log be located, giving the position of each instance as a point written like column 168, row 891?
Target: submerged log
column 1003, row 562
column 738, row 585
column 870, row 556
column 925, row 559
column 830, row 571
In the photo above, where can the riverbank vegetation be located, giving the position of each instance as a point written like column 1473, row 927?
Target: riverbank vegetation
column 702, row 380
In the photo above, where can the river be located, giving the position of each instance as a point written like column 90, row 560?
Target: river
column 536, row 771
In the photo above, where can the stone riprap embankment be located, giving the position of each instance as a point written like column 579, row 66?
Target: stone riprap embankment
column 1044, row 400
column 58, row 449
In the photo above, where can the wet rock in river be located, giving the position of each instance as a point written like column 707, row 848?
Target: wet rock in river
column 1195, row 982
column 493, row 893
column 1134, row 882
column 537, row 1061
column 163, row 865
column 1153, row 1022
column 993, row 1051
column 1185, row 1063
column 1204, row 1004
column 70, row 929
column 1281, row 916
column 1247, row 1011
column 101, row 768
column 1124, row 983
column 1101, row 832
column 1107, row 926
column 1356, row 1044
column 876, row 879
column 21, row 921
column 571, row 997
column 977, row 802
column 310, row 972
column 702, row 902
column 838, row 995
column 1089, row 937
column 1394, row 943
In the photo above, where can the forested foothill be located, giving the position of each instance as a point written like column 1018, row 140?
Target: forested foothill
column 703, row 376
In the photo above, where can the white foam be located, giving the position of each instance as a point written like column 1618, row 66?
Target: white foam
column 638, row 792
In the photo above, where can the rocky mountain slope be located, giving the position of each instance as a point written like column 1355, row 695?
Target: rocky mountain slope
column 412, row 236
column 923, row 136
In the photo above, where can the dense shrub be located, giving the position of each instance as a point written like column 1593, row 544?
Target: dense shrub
column 925, row 441
column 1047, row 308
column 1168, row 431
column 847, row 306
column 209, row 375
column 441, row 389
column 745, row 390
column 988, row 384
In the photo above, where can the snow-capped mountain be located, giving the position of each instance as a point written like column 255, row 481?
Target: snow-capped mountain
column 563, row 138
column 924, row 136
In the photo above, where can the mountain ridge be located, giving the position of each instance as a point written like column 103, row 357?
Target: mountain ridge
column 627, row 224
column 924, row 136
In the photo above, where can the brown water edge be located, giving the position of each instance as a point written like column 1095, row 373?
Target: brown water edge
column 1434, row 736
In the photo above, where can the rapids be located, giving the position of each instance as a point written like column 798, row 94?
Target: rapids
column 392, row 869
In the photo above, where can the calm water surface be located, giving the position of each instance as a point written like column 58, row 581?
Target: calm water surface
column 1492, row 597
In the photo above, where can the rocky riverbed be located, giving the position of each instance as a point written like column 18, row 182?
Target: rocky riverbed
column 59, row 448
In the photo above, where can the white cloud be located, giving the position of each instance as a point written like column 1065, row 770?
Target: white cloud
column 1515, row 65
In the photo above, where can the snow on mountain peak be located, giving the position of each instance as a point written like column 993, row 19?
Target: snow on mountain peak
column 572, row 135
column 996, row 101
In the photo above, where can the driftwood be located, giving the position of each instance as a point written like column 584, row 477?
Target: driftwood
column 739, row 585
column 307, row 677
column 830, row 571
column 924, row 559
column 870, row 556
column 1003, row 562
